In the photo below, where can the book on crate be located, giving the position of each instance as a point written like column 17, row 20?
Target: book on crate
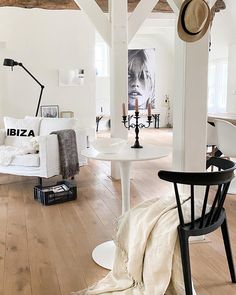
column 56, row 188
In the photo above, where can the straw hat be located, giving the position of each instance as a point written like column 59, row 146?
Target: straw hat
column 194, row 20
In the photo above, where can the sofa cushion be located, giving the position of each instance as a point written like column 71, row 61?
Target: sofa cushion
column 19, row 132
column 29, row 160
column 49, row 125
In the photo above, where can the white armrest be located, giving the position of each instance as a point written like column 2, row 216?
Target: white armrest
column 82, row 143
column 2, row 136
column 49, row 155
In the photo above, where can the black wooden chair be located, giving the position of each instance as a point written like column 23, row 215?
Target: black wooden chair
column 209, row 220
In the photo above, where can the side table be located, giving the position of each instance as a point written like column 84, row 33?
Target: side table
column 103, row 254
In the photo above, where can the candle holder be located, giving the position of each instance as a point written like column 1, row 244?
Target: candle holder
column 129, row 119
column 137, row 126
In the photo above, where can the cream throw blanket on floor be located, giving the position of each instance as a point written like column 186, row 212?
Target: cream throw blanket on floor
column 147, row 258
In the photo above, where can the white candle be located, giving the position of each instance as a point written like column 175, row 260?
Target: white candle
column 123, row 108
column 136, row 105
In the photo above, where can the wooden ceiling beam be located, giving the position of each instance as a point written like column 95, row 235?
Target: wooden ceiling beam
column 45, row 4
column 162, row 5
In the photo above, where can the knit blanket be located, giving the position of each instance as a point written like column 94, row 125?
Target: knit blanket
column 69, row 163
column 8, row 153
column 147, row 258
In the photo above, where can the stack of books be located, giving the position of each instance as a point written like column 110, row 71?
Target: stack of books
column 56, row 189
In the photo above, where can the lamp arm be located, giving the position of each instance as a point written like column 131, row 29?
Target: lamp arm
column 21, row 65
column 41, row 85
column 39, row 101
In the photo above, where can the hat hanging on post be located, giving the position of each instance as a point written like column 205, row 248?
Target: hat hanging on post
column 194, row 20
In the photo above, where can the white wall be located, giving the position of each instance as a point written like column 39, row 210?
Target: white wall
column 103, row 94
column 223, row 37
column 159, row 33
column 164, row 69
column 155, row 33
column 2, row 80
column 220, row 36
column 231, row 90
column 231, row 26
column 46, row 41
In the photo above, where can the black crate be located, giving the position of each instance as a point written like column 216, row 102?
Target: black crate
column 53, row 194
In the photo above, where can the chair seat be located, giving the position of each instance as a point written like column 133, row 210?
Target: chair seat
column 201, row 228
column 29, row 160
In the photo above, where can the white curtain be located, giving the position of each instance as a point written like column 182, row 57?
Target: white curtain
column 217, row 86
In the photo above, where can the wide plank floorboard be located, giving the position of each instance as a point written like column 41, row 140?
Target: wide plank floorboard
column 46, row 250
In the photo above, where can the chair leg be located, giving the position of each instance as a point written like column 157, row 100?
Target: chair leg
column 184, row 249
column 225, row 234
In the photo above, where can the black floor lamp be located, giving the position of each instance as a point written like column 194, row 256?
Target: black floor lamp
column 11, row 63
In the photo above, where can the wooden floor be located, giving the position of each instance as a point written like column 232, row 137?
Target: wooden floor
column 47, row 250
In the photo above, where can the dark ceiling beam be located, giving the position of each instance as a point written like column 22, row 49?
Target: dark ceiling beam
column 45, row 4
column 162, row 5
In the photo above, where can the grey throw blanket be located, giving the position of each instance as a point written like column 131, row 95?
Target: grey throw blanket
column 69, row 163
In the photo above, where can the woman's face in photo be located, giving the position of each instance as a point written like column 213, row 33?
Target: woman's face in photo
column 139, row 83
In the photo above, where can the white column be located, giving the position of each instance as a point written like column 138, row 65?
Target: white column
column 119, row 73
column 125, row 184
column 190, row 105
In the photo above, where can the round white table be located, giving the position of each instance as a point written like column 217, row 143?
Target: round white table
column 103, row 254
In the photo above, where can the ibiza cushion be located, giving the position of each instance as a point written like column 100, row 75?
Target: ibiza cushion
column 19, row 132
column 49, row 125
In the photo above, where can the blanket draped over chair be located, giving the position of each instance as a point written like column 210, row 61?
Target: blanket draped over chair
column 69, row 163
column 147, row 258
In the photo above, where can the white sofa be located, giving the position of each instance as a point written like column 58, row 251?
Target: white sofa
column 45, row 163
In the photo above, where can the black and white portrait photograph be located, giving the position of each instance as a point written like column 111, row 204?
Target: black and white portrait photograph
column 141, row 78
column 50, row 111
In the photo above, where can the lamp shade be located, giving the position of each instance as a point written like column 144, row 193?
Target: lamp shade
column 9, row 62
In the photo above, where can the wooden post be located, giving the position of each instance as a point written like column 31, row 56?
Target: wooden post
column 118, row 69
column 190, row 105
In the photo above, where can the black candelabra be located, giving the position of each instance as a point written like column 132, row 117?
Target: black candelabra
column 137, row 126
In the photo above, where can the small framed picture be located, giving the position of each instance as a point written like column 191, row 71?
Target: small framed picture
column 50, row 111
column 67, row 114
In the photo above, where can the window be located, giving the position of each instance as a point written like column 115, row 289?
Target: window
column 217, row 86
column 101, row 58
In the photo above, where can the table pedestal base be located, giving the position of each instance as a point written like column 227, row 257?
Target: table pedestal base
column 104, row 254
column 232, row 187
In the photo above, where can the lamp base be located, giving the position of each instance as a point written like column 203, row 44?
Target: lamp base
column 137, row 146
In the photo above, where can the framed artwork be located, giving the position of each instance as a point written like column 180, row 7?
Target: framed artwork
column 66, row 114
column 71, row 77
column 141, row 78
column 49, row 111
